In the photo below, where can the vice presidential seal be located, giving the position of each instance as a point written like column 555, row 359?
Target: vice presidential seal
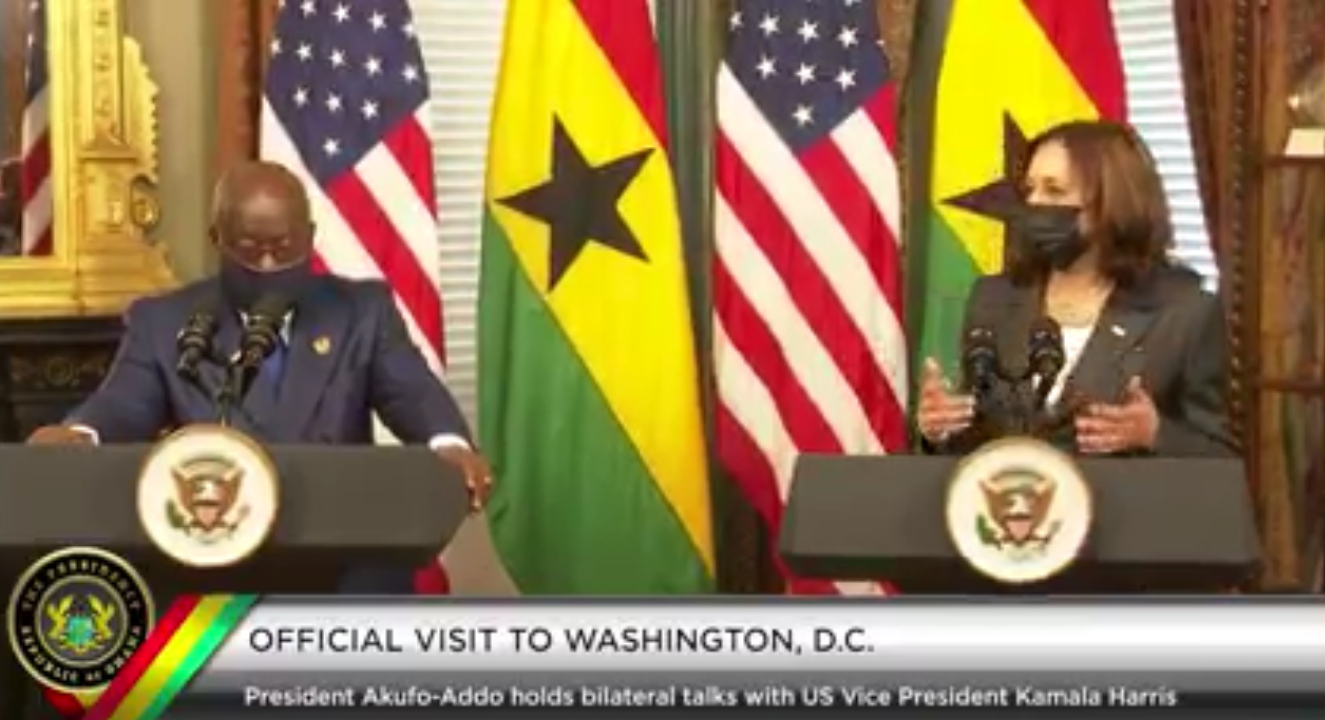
column 1019, row 510
column 77, row 616
column 208, row 496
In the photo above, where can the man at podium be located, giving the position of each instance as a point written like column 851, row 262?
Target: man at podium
column 339, row 352
column 1112, row 347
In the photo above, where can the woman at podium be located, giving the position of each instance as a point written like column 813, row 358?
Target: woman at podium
column 1091, row 337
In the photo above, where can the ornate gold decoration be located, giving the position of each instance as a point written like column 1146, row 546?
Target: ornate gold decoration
column 103, row 173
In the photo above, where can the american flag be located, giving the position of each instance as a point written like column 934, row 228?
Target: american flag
column 346, row 109
column 38, row 212
column 809, row 350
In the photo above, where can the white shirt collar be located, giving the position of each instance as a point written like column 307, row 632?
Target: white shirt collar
column 285, row 326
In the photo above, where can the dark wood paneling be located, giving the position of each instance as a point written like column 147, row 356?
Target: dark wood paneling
column 47, row 367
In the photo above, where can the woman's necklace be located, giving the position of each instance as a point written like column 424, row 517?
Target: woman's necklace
column 1078, row 309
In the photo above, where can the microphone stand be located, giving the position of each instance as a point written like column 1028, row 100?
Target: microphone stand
column 1012, row 407
column 227, row 396
column 230, row 396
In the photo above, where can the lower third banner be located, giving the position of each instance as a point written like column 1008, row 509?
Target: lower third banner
column 343, row 658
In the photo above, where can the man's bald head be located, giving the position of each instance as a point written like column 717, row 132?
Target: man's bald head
column 261, row 216
column 246, row 180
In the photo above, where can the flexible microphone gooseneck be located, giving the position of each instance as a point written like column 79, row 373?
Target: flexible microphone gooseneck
column 980, row 363
column 262, row 332
column 265, row 321
column 194, row 343
column 1046, row 358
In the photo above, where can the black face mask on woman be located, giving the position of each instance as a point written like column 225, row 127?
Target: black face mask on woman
column 245, row 286
column 1051, row 232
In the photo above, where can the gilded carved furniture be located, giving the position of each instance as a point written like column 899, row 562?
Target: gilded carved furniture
column 59, row 313
column 103, row 172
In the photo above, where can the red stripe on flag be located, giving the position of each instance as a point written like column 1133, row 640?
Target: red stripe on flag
column 1082, row 31
column 410, row 145
column 620, row 27
column 44, row 242
column 851, row 203
column 142, row 659
column 813, row 294
column 36, row 166
column 864, row 223
column 382, row 241
column 36, row 170
column 756, row 478
column 751, row 337
column 882, row 111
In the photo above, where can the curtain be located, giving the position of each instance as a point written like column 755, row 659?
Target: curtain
column 1209, row 44
column 245, row 30
column 1218, row 69
column 1265, row 223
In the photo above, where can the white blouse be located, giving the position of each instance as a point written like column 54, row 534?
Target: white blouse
column 1074, row 342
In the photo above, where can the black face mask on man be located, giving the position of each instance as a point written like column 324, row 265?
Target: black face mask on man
column 1051, row 232
column 245, row 286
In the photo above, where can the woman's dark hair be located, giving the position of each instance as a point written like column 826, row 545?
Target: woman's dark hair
column 1126, row 212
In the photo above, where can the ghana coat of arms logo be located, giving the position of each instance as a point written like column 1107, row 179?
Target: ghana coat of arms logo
column 207, row 496
column 76, row 618
column 1019, row 510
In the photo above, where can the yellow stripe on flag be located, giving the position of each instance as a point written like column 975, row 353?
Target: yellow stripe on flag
column 997, row 60
column 628, row 319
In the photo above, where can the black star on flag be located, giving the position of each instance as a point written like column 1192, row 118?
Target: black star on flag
column 1000, row 198
column 579, row 204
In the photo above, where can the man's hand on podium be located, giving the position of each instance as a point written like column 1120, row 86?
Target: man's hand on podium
column 478, row 476
column 61, row 435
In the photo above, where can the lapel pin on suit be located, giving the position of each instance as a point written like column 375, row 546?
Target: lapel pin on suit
column 322, row 345
column 1118, row 331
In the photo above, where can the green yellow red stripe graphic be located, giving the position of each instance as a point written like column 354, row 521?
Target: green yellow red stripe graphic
column 180, row 645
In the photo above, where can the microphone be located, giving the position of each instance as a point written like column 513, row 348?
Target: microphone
column 194, row 343
column 980, row 363
column 262, row 331
column 1046, row 358
column 261, row 336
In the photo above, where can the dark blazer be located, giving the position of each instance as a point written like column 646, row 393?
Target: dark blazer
column 1164, row 328
column 349, row 355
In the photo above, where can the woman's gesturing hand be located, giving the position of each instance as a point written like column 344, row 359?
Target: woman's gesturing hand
column 941, row 412
column 1132, row 424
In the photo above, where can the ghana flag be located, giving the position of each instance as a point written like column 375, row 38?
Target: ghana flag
column 1009, row 69
column 589, row 393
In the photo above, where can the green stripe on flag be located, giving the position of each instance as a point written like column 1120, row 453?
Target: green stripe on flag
column 945, row 282
column 574, row 511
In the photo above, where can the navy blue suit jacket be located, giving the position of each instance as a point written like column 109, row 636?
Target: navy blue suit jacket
column 349, row 355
